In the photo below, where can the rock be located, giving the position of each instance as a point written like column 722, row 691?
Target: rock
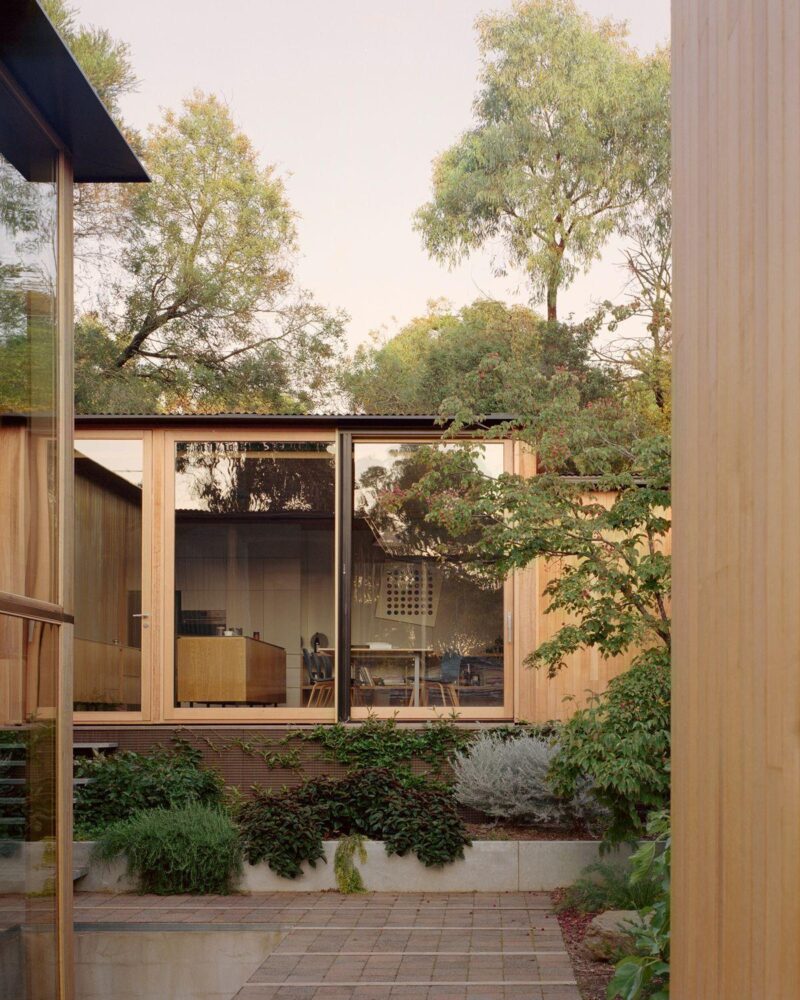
column 608, row 936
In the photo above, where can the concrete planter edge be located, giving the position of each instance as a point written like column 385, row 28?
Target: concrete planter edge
column 488, row 866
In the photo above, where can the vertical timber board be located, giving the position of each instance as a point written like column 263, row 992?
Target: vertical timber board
column 736, row 717
column 539, row 697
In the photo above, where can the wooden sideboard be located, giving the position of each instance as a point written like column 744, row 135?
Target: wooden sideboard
column 231, row 669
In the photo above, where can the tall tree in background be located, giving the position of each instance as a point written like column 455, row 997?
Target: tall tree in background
column 204, row 305
column 106, row 61
column 449, row 359
column 192, row 303
column 643, row 359
column 571, row 131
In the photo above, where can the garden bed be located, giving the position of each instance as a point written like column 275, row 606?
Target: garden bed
column 592, row 976
column 505, row 831
column 487, row 866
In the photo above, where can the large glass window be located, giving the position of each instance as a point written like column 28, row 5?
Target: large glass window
column 28, row 664
column 426, row 621
column 108, row 574
column 28, row 498
column 254, row 574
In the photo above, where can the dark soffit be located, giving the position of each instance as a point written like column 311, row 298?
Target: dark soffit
column 44, row 69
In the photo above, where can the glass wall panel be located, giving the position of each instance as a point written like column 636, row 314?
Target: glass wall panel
column 28, row 501
column 108, row 575
column 28, row 653
column 426, row 623
column 254, row 573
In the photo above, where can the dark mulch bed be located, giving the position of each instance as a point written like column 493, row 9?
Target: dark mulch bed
column 507, row 831
column 593, row 977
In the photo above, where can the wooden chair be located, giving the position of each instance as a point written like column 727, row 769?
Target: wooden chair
column 322, row 690
column 448, row 693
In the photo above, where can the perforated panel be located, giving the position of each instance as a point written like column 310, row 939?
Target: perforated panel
column 409, row 593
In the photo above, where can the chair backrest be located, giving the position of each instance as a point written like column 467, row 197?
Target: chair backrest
column 312, row 673
column 451, row 666
column 324, row 665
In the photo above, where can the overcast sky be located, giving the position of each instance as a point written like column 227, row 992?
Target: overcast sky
column 351, row 100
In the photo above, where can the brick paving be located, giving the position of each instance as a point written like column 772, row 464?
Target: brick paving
column 378, row 946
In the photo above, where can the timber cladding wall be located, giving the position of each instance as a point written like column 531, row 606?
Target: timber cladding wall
column 736, row 765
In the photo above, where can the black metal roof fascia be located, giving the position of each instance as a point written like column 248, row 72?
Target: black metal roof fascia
column 350, row 421
column 46, row 72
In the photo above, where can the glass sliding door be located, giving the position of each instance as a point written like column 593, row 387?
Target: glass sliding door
column 427, row 623
column 28, row 399
column 28, row 820
column 253, row 597
column 109, row 620
column 32, row 583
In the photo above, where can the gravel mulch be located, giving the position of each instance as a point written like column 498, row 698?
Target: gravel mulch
column 593, row 977
column 507, row 831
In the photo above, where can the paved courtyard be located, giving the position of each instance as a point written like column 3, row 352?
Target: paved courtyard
column 379, row 946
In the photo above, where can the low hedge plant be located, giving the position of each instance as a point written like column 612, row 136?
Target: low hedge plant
column 286, row 828
column 195, row 849
column 125, row 783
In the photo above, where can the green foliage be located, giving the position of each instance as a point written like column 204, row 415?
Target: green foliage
column 197, row 307
column 278, row 828
column 286, row 828
column 608, row 886
column 124, row 783
column 646, row 972
column 348, row 877
column 571, row 131
column 604, row 533
column 192, row 849
column 444, row 356
column 622, row 742
column 105, row 60
column 381, row 743
column 205, row 313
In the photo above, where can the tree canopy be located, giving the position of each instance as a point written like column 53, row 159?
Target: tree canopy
column 474, row 356
column 190, row 298
column 571, row 131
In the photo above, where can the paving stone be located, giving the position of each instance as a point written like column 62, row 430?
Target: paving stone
column 379, row 946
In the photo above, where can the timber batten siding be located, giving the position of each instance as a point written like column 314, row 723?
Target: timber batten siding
column 736, row 705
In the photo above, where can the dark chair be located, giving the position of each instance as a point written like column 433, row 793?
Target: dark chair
column 321, row 694
column 323, row 663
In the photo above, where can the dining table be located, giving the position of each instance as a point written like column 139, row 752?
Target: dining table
column 415, row 656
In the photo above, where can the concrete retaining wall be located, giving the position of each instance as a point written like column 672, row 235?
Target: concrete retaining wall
column 488, row 866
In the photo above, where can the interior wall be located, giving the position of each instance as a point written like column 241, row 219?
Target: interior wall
column 468, row 617
column 736, row 675
column 108, row 573
column 275, row 579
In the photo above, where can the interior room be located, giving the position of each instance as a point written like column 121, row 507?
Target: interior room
column 254, row 573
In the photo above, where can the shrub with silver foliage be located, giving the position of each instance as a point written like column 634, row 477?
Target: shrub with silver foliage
column 507, row 779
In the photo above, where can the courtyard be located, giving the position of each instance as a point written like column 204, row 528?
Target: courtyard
column 377, row 946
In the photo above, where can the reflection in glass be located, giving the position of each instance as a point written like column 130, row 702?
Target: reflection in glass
column 108, row 575
column 28, row 508
column 254, row 565
column 426, row 620
column 28, row 653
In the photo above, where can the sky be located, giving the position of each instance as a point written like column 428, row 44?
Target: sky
column 351, row 100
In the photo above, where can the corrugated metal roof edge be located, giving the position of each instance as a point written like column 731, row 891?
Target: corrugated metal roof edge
column 300, row 418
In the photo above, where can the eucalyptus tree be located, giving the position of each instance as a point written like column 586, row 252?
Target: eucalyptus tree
column 571, row 130
column 187, row 286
